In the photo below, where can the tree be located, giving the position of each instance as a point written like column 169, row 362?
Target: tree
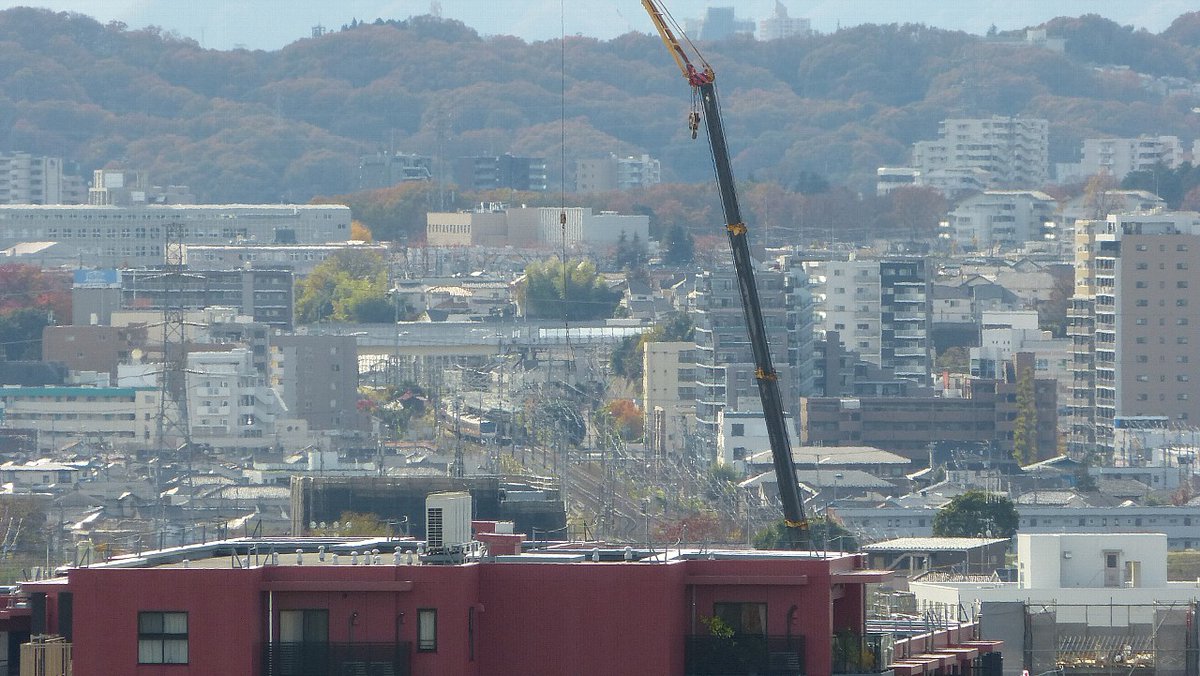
column 349, row 286
column 956, row 359
column 680, row 246
column 627, row 418
column 626, row 359
column 822, row 532
column 574, row 292
column 976, row 513
column 916, row 212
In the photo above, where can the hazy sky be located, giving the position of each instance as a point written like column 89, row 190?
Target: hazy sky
column 270, row 24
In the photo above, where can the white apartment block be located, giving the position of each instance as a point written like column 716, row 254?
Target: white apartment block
column 109, row 236
column 1001, row 220
column 121, row 416
column 229, row 403
column 668, row 395
column 616, row 173
column 882, row 309
column 30, row 179
column 780, row 26
column 1118, row 157
column 1014, row 151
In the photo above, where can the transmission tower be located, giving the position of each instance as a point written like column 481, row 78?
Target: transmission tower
column 172, row 395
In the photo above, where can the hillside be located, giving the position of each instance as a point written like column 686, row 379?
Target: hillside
column 290, row 124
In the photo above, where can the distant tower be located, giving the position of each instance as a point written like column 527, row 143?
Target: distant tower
column 435, row 9
column 172, row 396
column 318, row 30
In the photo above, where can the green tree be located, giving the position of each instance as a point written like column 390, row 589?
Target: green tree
column 975, row 513
column 955, row 359
column 680, row 246
column 576, row 292
column 823, row 533
column 349, row 286
column 626, row 359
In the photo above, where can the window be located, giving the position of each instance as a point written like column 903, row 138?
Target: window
column 427, row 630
column 745, row 619
column 162, row 638
column 739, row 430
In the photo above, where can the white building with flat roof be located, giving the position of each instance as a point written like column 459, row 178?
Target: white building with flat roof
column 111, row 236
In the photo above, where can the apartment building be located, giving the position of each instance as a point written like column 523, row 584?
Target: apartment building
column 120, row 416
column 1118, row 157
column 668, row 395
column 725, row 368
column 492, row 172
column 112, row 236
column 605, row 174
column 318, row 378
column 1013, row 151
column 230, row 405
column 881, row 309
column 780, row 26
column 30, row 179
column 383, row 170
column 908, row 424
column 1144, row 320
column 999, row 220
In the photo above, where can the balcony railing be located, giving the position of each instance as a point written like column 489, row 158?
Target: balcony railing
column 855, row 654
column 744, row 655
column 321, row 659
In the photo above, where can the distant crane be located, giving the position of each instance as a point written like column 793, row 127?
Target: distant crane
column 704, row 96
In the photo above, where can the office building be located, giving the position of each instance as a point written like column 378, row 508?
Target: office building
column 780, row 26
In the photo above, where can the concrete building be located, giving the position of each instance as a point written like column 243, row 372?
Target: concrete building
column 668, row 395
column 1118, row 157
column 122, row 188
column 888, row 179
column 111, row 236
column 490, row 172
column 343, row 608
column 742, row 434
column 913, row 556
column 498, row 225
column 606, row 174
column 880, row 308
column 301, row 258
column 719, row 23
column 1139, row 322
column 30, row 179
column 383, row 170
column 92, row 348
column 318, row 378
column 263, row 294
column 1013, row 151
column 999, row 220
column 907, row 425
column 230, row 405
column 121, row 416
column 780, row 26
column 1081, row 601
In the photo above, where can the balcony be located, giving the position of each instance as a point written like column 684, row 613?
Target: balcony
column 744, row 655
column 854, row 654
column 320, row 659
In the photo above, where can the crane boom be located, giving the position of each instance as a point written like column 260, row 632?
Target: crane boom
column 704, row 88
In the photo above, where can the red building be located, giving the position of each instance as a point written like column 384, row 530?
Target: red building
column 217, row 610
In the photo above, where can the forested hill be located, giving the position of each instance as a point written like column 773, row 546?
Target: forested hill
column 287, row 125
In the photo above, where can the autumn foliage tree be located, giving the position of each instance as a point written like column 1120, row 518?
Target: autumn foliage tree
column 30, row 300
